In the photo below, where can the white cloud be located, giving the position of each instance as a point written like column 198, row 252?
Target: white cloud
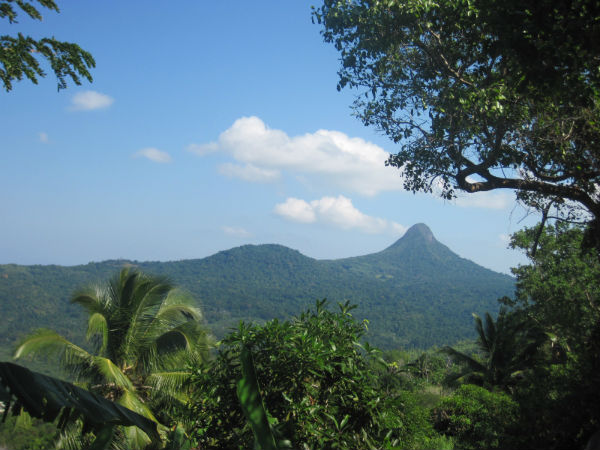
column 44, row 138
column 153, row 154
column 249, row 172
column 338, row 212
column 236, row 231
column 90, row 100
column 296, row 210
column 350, row 163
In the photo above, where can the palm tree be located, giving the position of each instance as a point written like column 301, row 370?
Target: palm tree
column 141, row 332
column 508, row 348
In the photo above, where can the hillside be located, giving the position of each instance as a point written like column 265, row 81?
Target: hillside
column 415, row 293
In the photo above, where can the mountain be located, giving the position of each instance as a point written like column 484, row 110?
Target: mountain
column 415, row 293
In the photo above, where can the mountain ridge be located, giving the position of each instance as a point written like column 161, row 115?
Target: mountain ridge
column 415, row 293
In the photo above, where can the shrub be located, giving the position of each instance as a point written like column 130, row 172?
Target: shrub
column 477, row 418
column 317, row 384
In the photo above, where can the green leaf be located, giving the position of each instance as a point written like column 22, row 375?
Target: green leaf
column 45, row 397
column 248, row 393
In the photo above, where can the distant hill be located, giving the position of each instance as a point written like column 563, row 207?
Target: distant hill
column 415, row 293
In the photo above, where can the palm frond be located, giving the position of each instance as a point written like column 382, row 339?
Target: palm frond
column 482, row 340
column 189, row 340
column 135, row 437
column 170, row 383
column 183, row 300
column 72, row 438
column 123, row 286
column 97, row 325
column 49, row 343
column 170, row 318
column 148, row 295
column 177, row 312
column 472, row 363
column 131, row 401
column 491, row 332
column 111, row 373
column 94, row 299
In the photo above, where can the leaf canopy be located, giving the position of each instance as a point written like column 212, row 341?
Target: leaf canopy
column 19, row 55
column 480, row 94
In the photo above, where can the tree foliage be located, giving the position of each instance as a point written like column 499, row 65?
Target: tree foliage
column 19, row 55
column 560, row 291
column 415, row 294
column 508, row 347
column 143, row 333
column 22, row 432
column 560, row 288
column 478, row 418
column 316, row 385
column 480, row 94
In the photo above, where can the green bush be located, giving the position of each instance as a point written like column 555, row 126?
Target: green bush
column 477, row 418
column 317, row 385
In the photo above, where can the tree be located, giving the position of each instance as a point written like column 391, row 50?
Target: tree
column 481, row 94
column 142, row 333
column 316, row 384
column 559, row 290
column 19, row 54
column 478, row 418
column 508, row 346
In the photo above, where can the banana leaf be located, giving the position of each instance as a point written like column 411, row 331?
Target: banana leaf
column 248, row 393
column 47, row 398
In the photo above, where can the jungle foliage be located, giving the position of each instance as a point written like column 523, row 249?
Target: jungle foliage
column 480, row 94
column 415, row 293
column 312, row 382
column 317, row 386
column 142, row 334
column 478, row 418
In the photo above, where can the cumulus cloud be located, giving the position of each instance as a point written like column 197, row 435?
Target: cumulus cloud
column 153, row 154
column 90, row 100
column 236, row 231
column 350, row 163
column 44, row 138
column 296, row 210
column 338, row 212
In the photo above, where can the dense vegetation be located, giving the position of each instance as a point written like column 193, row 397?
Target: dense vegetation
column 529, row 379
column 416, row 293
column 142, row 333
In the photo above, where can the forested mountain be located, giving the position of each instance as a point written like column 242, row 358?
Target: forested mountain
column 417, row 292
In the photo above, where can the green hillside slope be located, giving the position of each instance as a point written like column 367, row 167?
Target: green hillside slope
column 416, row 292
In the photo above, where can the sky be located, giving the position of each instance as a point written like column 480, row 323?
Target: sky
column 210, row 125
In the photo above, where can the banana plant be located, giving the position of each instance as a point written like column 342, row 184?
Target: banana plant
column 51, row 399
column 248, row 392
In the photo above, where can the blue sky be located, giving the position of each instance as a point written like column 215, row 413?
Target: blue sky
column 209, row 125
